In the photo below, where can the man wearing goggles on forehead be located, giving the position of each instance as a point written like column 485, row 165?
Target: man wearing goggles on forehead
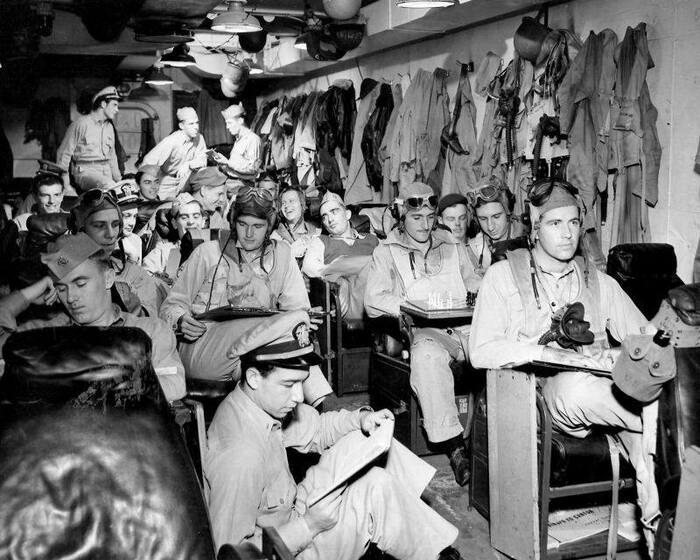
column 516, row 312
column 417, row 262
column 492, row 205
column 244, row 270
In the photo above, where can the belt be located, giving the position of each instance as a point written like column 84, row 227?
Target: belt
column 84, row 161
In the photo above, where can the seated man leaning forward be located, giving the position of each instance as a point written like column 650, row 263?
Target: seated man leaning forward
column 250, row 484
column 98, row 214
column 341, row 255
column 517, row 302
column 81, row 276
column 492, row 207
column 414, row 263
column 245, row 269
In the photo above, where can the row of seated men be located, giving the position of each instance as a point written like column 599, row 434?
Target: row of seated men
column 255, row 266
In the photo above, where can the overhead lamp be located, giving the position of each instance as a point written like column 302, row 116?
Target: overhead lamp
column 179, row 57
column 301, row 42
column 235, row 20
column 156, row 77
column 426, row 4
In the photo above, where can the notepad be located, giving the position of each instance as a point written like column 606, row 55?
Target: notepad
column 374, row 447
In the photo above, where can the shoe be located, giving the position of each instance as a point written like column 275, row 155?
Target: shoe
column 450, row 553
column 460, row 465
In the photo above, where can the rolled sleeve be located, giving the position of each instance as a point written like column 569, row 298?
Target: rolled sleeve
column 313, row 265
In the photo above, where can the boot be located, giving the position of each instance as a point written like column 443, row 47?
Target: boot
column 450, row 553
column 459, row 460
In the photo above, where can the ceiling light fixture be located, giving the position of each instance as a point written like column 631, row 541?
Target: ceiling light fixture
column 301, row 41
column 156, row 77
column 426, row 4
column 235, row 20
column 179, row 57
column 253, row 66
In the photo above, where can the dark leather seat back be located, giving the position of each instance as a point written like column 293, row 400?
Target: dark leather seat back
column 91, row 461
column 645, row 271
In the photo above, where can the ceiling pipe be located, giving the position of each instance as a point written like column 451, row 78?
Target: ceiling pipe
column 282, row 12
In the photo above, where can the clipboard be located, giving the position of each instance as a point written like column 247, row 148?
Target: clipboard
column 556, row 367
column 228, row 312
column 377, row 444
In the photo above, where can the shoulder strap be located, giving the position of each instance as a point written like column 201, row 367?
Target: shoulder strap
column 520, row 265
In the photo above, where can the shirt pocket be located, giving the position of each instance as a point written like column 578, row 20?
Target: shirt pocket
column 280, row 494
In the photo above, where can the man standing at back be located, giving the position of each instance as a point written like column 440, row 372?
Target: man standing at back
column 178, row 154
column 88, row 147
column 243, row 164
column 416, row 262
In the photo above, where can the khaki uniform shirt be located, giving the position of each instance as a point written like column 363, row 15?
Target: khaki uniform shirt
column 246, row 467
column 89, row 139
column 166, row 360
column 499, row 314
column 177, row 151
column 246, row 155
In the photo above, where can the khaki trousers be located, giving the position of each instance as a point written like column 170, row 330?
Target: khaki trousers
column 382, row 506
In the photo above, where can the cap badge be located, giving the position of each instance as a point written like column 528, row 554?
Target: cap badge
column 61, row 261
column 301, row 335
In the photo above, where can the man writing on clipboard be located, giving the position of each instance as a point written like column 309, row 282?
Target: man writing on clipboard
column 248, row 479
column 245, row 269
column 243, row 164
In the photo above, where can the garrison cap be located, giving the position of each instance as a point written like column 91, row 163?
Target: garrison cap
column 331, row 198
column 181, row 200
column 233, row 111
column 184, row 113
column 206, row 177
column 68, row 252
column 282, row 340
column 108, row 93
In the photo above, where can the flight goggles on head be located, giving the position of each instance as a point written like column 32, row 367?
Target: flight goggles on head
column 246, row 194
column 95, row 197
column 491, row 192
column 415, row 202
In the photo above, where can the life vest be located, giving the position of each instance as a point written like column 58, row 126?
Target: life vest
column 538, row 320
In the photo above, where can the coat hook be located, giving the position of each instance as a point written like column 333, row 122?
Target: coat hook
column 469, row 65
